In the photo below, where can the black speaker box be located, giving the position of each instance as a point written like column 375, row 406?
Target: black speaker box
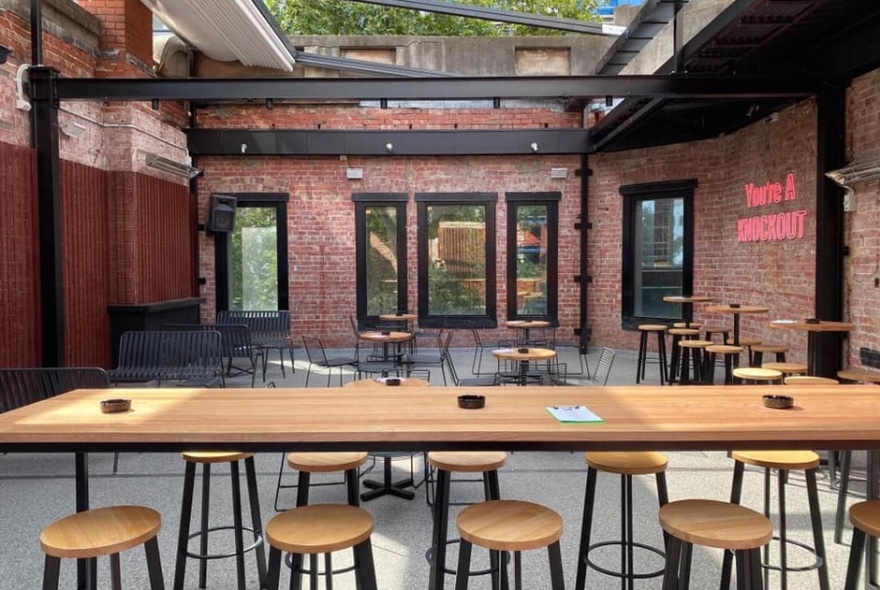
column 221, row 214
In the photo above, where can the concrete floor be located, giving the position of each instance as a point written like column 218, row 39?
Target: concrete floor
column 38, row 488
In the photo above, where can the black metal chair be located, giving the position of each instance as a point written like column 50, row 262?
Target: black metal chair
column 235, row 343
column 317, row 356
column 582, row 347
column 269, row 330
column 189, row 356
column 603, row 368
column 431, row 357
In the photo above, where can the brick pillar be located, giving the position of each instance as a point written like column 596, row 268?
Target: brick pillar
column 126, row 32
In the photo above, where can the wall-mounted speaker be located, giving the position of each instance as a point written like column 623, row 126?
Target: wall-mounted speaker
column 221, row 213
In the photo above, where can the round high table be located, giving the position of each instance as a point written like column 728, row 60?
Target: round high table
column 525, row 327
column 524, row 356
column 385, row 339
column 404, row 319
column 735, row 312
column 687, row 305
column 387, row 486
column 812, row 329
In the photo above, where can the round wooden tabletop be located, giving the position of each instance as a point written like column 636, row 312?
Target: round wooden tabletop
column 735, row 310
column 398, row 317
column 687, row 299
column 389, row 337
column 382, row 382
column 530, row 354
column 803, row 326
column 528, row 324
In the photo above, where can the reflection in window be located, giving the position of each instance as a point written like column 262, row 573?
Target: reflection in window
column 531, row 259
column 456, row 260
column 255, row 259
column 382, row 263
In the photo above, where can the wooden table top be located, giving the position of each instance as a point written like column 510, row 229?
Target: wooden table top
column 399, row 317
column 428, row 418
column 822, row 326
column 735, row 310
column 688, row 299
column 528, row 324
column 379, row 382
column 532, row 354
column 380, row 337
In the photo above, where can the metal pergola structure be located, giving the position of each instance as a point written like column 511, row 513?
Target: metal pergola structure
column 655, row 92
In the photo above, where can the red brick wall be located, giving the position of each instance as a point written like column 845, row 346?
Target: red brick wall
column 776, row 274
column 126, row 26
column 862, row 298
column 19, row 296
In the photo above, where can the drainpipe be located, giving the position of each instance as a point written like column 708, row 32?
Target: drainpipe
column 583, row 225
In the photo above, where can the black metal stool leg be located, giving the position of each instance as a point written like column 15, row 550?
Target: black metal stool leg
column 586, row 525
column 441, row 517
column 640, row 363
column 183, row 531
column 557, row 581
column 51, row 572
column 366, row 571
column 274, row 569
column 154, row 564
column 464, row 565
column 206, row 501
column 816, row 519
column 843, row 489
column 115, row 573
column 856, row 554
column 735, row 496
column 673, row 558
column 256, row 518
column 238, row 524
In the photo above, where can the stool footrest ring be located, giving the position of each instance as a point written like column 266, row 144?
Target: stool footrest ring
column 817, row 561
column 617, row 574
column 258, row 540
column 429, row 556
column 288, row 560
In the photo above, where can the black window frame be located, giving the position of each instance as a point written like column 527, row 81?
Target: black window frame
column 222, row 244
column 488, row 200
column 362, row 201
column 635, row 193
column 551, row 201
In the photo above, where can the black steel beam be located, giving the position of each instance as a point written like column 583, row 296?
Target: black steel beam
column 495, row 14
column 48, row 183
column 208, row 142
column 241, row 89
column 629, row 124
column 363, row 66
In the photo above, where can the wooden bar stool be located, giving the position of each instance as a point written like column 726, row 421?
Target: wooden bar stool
column 756, row 375
column 747, row 343
column 721, row 525
column 99, row 532
column 865, row 518
column 509, row 525
column 308, row 463
column 710, row 332
column 809, row 380
column 642, row 362
column 782, row 462
column 626, row 465
column 695, row 348
column 206, row 459
column 321, row 529
column 758, row 351
column 446, row 463
column 731, row 358
column 678, row 334
column 787, row 369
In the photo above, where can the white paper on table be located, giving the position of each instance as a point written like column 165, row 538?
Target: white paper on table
column 573, row 414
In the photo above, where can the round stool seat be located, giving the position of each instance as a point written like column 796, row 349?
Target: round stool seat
column 856, row 375
column 652, row 327
column 471, row 461
column 711, row 523
column 786, row 367
column 724, row 349
column 326, row 462
column 683, row 332
column 509, row 525
column 100, row 532
column 319, row 528
column 756, row 374
column 694, row 343
column 214, row 456
column 865, row 516
column 809, row 380
column 778, row 459
column 635, row 463
column 770, row 348
column 695, row 325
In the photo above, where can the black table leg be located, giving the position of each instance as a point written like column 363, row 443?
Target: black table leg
column 85, row 568
column 386, row 486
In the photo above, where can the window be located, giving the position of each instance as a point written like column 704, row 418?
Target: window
column 532, row 248
column 457, row 260
column 251, row 260
column 658, row 232
column 380, row 232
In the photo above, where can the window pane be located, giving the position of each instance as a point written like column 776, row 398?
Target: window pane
column 381, row 260
column 659, row 251
column 531, row 259
column 255, row 259
column 456, row 260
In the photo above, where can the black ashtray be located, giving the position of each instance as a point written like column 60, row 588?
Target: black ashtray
column 471, row 402
column 398, row 314
column 392, row 381
column 112, row 406
column 778, row 402
column 734, row 305
column 385, row 332
column 811, row 321
column 523, row 350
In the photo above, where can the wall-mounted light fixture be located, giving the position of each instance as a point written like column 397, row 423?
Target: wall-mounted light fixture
column 172, row 167
column 270, row 103
column 73, row 129
column 534, row 146
column 389, row 147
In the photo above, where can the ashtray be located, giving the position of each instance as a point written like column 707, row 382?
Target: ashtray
column 811, row 321
column 522, row 350
column 392, row 381
column 734, row 305
column 385, row 332
column 778, row 402
column 471, row 402
column 112, row 406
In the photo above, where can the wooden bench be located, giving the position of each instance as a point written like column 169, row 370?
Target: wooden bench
column 192, row 357
column 269, row 330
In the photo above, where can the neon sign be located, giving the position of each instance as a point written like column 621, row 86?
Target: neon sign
column 773, row 227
